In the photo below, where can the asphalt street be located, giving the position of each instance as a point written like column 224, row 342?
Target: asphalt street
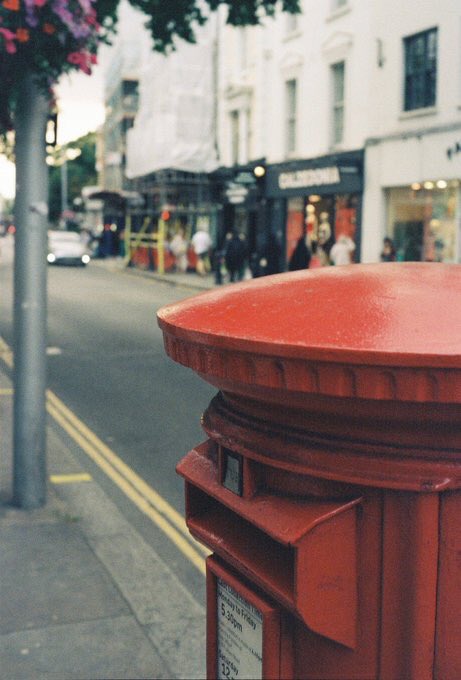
column 106, row 364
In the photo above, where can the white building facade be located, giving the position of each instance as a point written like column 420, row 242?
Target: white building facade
column 343, row 120
column 413, row 152
column 121, row 96
column 175, row 125
column 353, row 109
column 171, row 148
column 292, row 97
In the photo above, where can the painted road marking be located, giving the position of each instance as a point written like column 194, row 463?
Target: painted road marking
column 53, row 351
column 6, row 392
column 123, row 481
column 71, row 479
column 146, row 499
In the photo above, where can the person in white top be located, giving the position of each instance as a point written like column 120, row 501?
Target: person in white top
column 201, row 243
column 342, row 250
column 178, row 247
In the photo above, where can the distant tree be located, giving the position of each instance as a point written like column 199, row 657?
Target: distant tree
column 80, row 172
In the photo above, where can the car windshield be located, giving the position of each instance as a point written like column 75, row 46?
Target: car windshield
column 64, row 236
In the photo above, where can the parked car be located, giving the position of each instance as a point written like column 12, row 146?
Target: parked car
column 67, row 247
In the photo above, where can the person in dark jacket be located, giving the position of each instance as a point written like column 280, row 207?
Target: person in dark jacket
column 234, row 256
column 301, row 255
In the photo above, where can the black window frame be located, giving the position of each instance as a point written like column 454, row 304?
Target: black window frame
column 420, row 85
column 291, row 115
column 338, row 87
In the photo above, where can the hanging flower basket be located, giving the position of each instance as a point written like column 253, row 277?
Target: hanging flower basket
column 45, row 38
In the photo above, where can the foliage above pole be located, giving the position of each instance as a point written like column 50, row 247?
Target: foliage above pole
column 170, row 20
column 46, row 38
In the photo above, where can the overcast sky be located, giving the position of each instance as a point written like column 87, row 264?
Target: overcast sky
column 81, row 110
column 80, row 105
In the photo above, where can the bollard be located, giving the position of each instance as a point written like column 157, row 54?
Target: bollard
column 329, row 486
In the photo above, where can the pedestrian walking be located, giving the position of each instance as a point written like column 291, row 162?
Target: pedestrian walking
column 178, row 246
column 388, row 253
column 235, row 256
column 218, row 265
column 201, row 243
column 301, row 255
column 341, row 251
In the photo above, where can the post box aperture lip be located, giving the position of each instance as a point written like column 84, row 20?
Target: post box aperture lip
column 373, row 332
column 378, row 342
column 403, row 314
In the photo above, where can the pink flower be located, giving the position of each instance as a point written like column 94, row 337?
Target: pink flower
column 80, row 59
column 74, row 57
column 9, row 37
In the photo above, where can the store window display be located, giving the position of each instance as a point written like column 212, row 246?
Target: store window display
column 294, row 225
column 326, row 219
column 422, row 221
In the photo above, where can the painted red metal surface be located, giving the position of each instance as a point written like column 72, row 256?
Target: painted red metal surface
column 340, row 394
column 405, row 314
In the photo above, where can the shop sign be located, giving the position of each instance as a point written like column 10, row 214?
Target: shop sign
column 245, row 177
column 312, row 177
column 236, row 193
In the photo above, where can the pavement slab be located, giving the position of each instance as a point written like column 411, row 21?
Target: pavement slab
column 82, row 594
column 112, row 648
column 50, row 575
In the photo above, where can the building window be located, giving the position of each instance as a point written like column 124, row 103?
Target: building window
column 422, row 221
column 337, row 80
column 290, row 127
column 249, row 134
column 235, row 136
column 420, row 70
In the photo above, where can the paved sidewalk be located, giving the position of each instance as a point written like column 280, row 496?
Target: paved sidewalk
column 82, row 595
column 187, row 280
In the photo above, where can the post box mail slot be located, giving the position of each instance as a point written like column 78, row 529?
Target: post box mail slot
column 302, row 552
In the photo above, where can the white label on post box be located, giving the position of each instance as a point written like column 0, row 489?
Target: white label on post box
column 240, row 636
column 233, row 472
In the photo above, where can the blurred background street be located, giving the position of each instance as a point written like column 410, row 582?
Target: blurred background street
column 107, row 364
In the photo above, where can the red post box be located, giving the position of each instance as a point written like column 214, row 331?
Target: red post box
column 329, row 486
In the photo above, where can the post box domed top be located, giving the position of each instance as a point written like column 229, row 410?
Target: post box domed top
column 393, row 316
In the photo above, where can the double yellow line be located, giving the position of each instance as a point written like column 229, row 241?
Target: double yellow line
column 144, row 497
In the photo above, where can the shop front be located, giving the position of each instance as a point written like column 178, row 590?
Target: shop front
column 413, row 196
column 422, row 220
column 239, row 193
column 176, row 202
column 317, row 200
